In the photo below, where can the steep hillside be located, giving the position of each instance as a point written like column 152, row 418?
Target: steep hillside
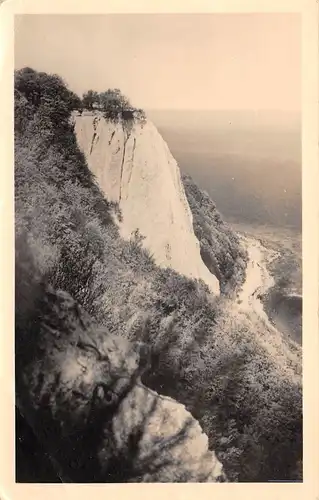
column 220, row 246
column 204, row 354
column 135, row 169
column 80, row 389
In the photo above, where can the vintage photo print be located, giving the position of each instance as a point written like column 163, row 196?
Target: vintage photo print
column 159, row 289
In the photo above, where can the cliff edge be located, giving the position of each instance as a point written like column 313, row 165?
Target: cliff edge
column 135, row 169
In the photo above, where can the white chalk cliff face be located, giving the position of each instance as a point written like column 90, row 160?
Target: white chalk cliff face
column 134, row 168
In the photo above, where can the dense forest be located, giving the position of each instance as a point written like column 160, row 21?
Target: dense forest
column 202, row 355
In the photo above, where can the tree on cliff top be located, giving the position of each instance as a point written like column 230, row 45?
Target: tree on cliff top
column 90, row 98
column 114, row 105
column 113, row 98
column 109, row 99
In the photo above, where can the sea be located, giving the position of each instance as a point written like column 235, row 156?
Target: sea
column 249, row 161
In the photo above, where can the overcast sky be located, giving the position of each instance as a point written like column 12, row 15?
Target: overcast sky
column 169, row 61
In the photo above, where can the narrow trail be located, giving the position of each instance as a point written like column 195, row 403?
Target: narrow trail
column 258, row 281
column 283, row 350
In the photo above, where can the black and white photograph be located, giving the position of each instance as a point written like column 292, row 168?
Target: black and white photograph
column 158, row 248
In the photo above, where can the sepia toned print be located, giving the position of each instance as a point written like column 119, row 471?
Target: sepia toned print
column 158, row 293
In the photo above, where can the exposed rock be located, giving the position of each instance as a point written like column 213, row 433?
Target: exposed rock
column 163, row 441
column 134, row 168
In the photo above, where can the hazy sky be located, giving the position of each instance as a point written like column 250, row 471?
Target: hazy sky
column 167, row 61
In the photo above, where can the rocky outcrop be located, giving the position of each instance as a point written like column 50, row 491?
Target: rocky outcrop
column 157, row 440
column 134, row 168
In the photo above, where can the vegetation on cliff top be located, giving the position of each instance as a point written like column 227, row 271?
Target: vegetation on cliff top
column 113, row 104
column 201, row 355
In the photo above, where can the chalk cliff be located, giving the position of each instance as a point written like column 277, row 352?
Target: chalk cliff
column 134, row 168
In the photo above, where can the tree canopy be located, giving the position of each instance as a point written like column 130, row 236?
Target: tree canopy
column 46, row 90
column 111, row 98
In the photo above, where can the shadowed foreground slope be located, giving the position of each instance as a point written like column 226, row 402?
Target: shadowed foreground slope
column 80, row 390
